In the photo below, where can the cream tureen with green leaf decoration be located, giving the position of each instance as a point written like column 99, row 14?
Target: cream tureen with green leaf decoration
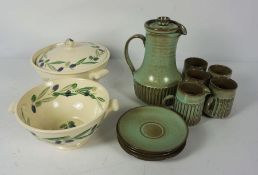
column 71, row 59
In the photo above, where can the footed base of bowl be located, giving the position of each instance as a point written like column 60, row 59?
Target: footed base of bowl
column 72, row 145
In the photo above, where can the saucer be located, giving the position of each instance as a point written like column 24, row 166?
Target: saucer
column 152, row 132
column 150, row 157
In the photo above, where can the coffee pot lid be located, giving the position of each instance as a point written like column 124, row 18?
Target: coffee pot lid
column 164, row 24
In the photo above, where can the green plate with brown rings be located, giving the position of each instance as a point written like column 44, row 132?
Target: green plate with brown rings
column 152, row 131
column 150, row 156
column 132, row 149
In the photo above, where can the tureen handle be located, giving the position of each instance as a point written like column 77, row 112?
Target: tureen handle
column 12, row 107
column 95, row 75
column 112, row 106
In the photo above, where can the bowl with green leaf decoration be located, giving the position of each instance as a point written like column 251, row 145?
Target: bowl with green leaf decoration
column 64, row 112
column 71, row 59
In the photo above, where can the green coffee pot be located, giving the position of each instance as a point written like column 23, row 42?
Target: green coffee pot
column 158, row 75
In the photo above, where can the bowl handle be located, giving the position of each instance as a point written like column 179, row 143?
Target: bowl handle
column 95, row 75
column 113, row 106
column 12, row 107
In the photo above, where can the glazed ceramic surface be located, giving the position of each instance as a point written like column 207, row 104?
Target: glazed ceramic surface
column 158, row 73
column 220, row 71
column 188, row 102
column 64, row 112
column 198, row 76
column 71, row 59
column 219, row 104
column 145, row 156
column 194, row 63
column 152, row 130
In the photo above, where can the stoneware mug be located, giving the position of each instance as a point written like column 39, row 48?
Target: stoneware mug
column 194, row 63
column 218, row 70
column 188, row 101
column 219, row 103
column 198, row 76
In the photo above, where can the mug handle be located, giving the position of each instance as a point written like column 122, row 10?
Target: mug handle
column 208, row 103
column 168, row 97
column 207, row 90
column 127, row 58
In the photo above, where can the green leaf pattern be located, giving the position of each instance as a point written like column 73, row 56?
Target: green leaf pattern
column 43, row 93
column 80, row 61
column 67, row 139
column 57, row 62
column 25, row 120
column 59, row 66
column 33, row 98
column 68, row 124
column 48, row 95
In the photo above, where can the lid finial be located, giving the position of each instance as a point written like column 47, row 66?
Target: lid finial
column 69, row 42
column 163, row 20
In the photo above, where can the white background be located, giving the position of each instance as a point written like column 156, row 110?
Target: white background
column 217, row 29
column 221, row 31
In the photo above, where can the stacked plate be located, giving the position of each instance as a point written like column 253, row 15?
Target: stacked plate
column 152, row 133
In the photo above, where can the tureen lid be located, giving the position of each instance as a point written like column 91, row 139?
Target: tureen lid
column 72, row 57
column 164, row 24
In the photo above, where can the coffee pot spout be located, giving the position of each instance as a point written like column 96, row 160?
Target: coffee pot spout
column 182, row 29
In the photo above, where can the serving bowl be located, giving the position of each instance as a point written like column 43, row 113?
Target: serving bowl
column 71, row 59
column 64, row 112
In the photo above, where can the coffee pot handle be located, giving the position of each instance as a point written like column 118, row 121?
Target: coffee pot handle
column 127, row 58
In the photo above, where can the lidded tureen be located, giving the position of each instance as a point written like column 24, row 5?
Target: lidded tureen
column 71, row 59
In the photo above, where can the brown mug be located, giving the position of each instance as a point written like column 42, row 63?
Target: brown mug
column 188, row 101
column 198, row 76
column 194, row 63
column 218, row 70
column 219, row 103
